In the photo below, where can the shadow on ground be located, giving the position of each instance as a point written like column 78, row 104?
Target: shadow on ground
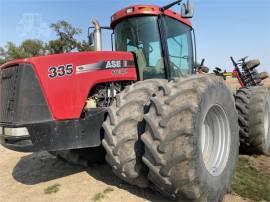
column 103, row 173
column 43, row 167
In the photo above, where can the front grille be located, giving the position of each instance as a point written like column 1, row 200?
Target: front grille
column 21, row 98
column 8, row 92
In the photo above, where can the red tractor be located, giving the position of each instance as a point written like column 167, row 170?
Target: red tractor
column 161, row 124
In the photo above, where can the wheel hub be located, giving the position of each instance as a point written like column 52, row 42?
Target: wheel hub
column 215, row 140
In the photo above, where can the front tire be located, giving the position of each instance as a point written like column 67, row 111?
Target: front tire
column 191, row 140
column 123, row 127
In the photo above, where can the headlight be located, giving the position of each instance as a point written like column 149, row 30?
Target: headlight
column 16, row 132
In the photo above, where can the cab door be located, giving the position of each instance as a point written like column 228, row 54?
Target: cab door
column 178, row 39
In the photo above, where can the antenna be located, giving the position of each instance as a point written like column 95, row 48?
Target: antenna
column 170, row 5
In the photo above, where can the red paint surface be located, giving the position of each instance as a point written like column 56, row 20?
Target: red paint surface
column 236, row 75
column 150, row 10
column 66, row 95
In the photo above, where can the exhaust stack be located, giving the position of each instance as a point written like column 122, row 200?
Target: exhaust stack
column 97, row 35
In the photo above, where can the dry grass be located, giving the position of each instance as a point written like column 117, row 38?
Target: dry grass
column 100, row 196
column 52, row 189
column 267, row 83
column 251, row 179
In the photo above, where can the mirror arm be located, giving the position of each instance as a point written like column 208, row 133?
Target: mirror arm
column 202, row 62
column 164, row 8
column 101, row 27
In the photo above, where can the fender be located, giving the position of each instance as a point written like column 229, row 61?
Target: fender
column 66, row 79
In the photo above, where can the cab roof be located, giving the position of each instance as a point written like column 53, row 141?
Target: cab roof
column 142, row 10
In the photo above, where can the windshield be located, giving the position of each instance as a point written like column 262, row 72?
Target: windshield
column 141, row 36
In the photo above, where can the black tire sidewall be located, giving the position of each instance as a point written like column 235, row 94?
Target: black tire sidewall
column 216, row 186
column 265, row 141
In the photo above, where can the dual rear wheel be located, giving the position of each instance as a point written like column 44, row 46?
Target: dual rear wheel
column 253, row 105
column 178, row 137
column 181, row 138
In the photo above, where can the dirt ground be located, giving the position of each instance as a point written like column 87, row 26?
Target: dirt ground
column 26, row 176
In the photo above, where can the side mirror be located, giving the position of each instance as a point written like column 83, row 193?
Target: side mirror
column 200, row 67
column 91, row 39
column 187, row 10
column 202, row 62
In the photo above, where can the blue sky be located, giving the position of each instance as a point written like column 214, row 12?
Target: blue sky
column 224, row 28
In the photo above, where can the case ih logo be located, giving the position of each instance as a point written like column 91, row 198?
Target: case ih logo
column 103, row 65
column 113, row 64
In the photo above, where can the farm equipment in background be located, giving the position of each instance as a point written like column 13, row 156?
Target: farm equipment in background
column 160, row 124
column 245, row 72
column 252, row 103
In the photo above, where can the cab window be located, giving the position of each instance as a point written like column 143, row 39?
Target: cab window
column 141, row 36
column 179, row 41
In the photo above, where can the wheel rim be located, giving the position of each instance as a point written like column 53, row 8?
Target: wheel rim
column 215, row 140
column 266, row 121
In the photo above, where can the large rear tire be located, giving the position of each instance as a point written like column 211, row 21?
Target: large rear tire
column 252, row 64
column 191, row 139
column 253, row 105
column 123, row 127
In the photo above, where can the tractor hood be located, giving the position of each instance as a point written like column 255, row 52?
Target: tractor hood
column 97, row 59
column 66, row 79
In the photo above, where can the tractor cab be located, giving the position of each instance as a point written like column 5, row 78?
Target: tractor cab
column 160, row 39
